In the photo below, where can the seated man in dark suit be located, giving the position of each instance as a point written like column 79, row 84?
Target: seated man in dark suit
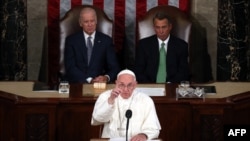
column 90, row 55
column 174, row 63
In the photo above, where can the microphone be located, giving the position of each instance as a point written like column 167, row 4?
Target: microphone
column 128, row 116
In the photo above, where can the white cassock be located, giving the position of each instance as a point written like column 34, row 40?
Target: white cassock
column 144, row 117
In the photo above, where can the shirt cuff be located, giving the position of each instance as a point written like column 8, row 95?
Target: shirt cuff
column 89, row 79
column 108, row 78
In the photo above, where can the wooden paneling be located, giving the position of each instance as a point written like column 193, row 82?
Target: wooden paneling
column 69, row 119
column 74, row 122
column 176, row 121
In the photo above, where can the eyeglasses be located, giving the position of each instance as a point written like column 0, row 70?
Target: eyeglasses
column 90, row 22
column 123, row 86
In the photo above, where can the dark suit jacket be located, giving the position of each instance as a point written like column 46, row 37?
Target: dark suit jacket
column 147, row 59
column 103, row 59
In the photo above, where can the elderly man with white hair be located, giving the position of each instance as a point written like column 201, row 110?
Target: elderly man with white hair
column 111, row 106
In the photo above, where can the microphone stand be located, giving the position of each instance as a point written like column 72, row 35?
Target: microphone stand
column 128, row 116
column 127, row 130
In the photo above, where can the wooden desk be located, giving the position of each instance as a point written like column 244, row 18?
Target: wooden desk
column 100, row 139
column 26, row 115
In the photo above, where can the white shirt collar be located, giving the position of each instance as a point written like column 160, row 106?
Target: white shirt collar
column 87, row 35
column 165, row 41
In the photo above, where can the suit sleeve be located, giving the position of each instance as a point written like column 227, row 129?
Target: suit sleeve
column 146, row 62
column 140, row 63
column 178, row 68
column 73, row 73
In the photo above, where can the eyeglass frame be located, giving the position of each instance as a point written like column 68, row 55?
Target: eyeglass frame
column 122, row 86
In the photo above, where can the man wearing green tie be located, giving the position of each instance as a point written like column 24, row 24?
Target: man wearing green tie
column 162, row 57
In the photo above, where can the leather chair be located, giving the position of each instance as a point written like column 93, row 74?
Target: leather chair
column 69, row 24
column 181, row 23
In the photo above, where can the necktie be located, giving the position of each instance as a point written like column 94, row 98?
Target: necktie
column 89, row 47
column 161, row 74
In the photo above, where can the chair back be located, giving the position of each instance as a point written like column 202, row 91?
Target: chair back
column 181, row 22
column 69, row 24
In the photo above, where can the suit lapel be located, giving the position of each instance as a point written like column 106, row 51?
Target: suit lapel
column 95, row 52
column 170, row 48
column 84, row 48
column 155, row 50
column 155, row 56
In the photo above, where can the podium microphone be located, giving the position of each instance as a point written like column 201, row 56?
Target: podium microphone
column 128, row 116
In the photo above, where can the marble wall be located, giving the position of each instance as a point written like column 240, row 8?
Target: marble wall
column 233, row 40
column 204, row 14
column 37, row 21
column 13, row 49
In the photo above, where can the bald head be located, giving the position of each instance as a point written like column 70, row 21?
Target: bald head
column 87, row 10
